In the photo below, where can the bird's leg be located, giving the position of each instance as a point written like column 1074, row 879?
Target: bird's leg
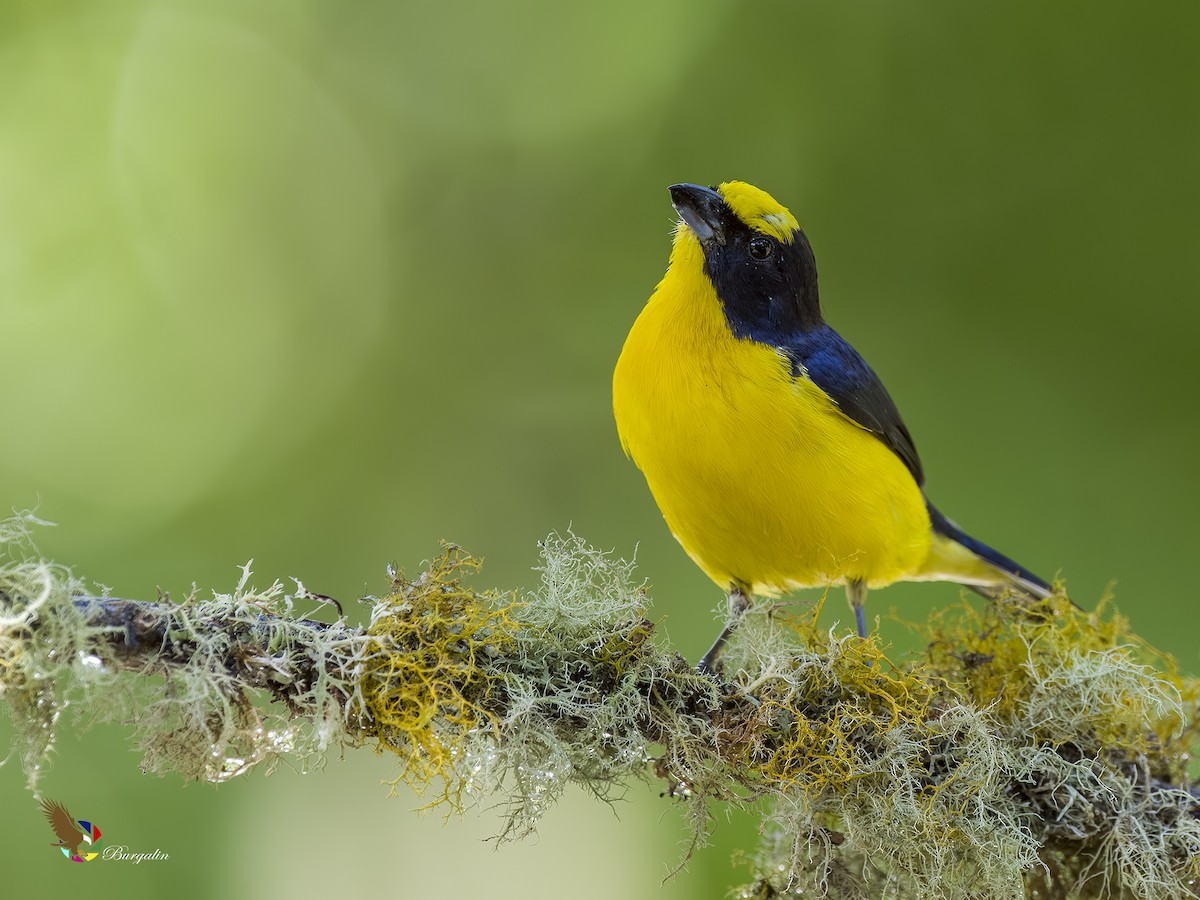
column 856, row 593
column 739, row 602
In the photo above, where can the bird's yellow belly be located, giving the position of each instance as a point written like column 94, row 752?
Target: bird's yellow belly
column 758, row 474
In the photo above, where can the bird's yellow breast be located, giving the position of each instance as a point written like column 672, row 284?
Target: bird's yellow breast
column 764, row 482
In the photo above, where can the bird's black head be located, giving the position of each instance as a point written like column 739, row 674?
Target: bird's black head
column 757, row 258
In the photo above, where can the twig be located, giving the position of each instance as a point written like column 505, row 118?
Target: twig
column 1034, row 746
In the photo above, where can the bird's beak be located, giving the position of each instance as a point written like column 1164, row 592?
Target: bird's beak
column 703, row 209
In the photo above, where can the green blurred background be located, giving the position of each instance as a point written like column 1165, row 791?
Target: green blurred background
column 323, row 283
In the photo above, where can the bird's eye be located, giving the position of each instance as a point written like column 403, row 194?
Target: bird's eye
column 760, row 248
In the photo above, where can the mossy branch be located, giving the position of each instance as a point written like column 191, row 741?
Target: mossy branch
column 1031, row 748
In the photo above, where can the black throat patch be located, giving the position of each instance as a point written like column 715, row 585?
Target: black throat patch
column 768, row 299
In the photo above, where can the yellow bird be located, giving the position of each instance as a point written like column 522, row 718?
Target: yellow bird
column 775, row 454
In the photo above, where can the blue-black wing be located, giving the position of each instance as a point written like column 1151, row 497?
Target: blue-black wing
column 822, row 355
column 829, row 361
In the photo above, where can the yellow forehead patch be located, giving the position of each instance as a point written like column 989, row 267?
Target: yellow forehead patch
column 759, row 210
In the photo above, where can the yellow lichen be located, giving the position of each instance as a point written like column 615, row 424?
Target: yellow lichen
column 816, row 716
column 423, row 683
column 1066, row 674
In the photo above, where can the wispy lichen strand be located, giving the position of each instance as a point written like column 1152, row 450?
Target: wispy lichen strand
column 1032, row 750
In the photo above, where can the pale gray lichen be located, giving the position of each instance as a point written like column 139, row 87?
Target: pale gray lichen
column 221, row 660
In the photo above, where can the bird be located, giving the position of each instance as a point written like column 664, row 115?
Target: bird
column 69, row 834
column 775, row 454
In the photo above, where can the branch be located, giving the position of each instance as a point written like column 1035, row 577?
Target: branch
column 1031, row 747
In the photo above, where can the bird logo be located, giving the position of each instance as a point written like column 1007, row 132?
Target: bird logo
column 72, row 833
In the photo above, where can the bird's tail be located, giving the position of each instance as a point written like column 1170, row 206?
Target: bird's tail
column 956, row 556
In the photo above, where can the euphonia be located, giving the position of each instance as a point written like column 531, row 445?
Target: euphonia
column 774, row 452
